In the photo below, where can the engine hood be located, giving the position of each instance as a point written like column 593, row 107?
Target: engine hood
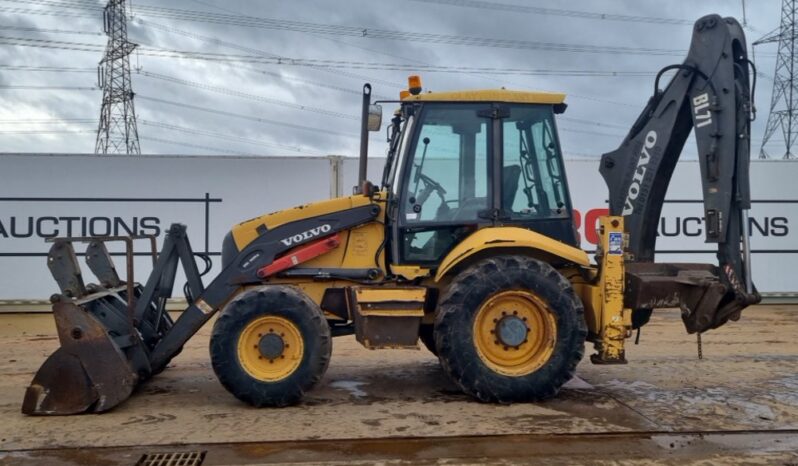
column 245, row 232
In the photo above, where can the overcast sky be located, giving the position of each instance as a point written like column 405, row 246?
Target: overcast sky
column 188, row 106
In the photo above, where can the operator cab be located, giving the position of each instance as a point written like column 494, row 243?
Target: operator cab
column 458, row 161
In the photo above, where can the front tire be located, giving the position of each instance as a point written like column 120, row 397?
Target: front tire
column 510, row 329
column 270, row 345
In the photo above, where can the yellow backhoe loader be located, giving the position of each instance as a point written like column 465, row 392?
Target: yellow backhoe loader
column 467, row 243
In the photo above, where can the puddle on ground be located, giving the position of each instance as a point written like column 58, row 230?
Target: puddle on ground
column 351, row 386
column 577, row 383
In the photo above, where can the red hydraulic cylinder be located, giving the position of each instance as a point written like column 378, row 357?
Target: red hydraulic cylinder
column 300, row 255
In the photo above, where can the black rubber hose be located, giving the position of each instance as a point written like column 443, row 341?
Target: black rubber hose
column 682, row 67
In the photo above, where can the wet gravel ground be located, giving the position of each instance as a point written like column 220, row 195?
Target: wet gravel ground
column 747, row 381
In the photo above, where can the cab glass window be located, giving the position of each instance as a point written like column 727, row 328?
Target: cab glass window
column 446, row 184
column 448, row 179
column 533, row 184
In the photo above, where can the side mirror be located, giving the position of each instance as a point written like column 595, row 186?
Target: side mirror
column 366, row 188
column 375, row 117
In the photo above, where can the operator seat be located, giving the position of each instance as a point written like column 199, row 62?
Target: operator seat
column 510, row 176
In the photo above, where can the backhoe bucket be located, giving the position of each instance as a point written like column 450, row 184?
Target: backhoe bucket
column 88, row 373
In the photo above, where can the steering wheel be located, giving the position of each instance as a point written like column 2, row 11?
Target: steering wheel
column 430, row 186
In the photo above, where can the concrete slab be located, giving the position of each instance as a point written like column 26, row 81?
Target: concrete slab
column 658, row 448
column 748, row 380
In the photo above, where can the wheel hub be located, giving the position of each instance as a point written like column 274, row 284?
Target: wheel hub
column 271, row 346
column 511, row 331
column 514, row 332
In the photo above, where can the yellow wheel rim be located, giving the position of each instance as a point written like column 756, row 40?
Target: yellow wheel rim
column 514, row 333
column 270, row 348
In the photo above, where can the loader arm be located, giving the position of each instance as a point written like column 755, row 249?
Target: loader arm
column 117, row 335
column 710, row 93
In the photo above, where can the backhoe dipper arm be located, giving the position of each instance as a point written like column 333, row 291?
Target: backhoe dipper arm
column 710, row 93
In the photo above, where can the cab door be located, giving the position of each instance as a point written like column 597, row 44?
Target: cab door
column 534, row 192
column 445, row 189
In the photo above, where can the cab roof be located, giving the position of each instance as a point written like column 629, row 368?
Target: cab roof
column 490, row 95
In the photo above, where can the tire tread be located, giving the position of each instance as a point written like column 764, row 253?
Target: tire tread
column 287, row 302
column 465, row 295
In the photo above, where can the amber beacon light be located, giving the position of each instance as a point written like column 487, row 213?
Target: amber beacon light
column 414, row 84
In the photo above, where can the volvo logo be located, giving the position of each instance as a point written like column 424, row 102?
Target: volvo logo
column 634, row 189
column 306, row 235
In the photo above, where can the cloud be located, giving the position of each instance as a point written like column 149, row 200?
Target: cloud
column 600, row 108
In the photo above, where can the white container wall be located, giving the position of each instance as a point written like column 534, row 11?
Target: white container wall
column 46, row 195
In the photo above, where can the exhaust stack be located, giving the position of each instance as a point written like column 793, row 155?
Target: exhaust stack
column 364, row 138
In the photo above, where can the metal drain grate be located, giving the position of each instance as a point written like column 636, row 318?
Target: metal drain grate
column 178, row 458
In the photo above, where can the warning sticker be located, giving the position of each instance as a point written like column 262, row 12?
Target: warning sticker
column 616, row 243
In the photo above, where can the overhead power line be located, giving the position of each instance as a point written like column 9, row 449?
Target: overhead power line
column 325, row 63
column 592, row 133
column 415, row 60
column 224, row 136
column 33, row 11
column 203, row 86
column 56, row 69
column 359, row 32
column 371, row 51
column 417, row 63
column 47, row 131
column 350, row 64
column 337, row 72
column 378, row 33
column 496, row 6
column 268, row 121
column 49, row 31
column 228, row 91
column 215, row 150
column 272, row 59
column 368, row 33
column 244, row 95
column 592, row 122
column 48, row 88
column 259, row 52
column 51, row 44
column 63, row 69
column 363, row 65
column 49, row 121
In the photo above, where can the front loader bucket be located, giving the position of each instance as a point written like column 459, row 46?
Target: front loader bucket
column 88, row 373
column 107, row 332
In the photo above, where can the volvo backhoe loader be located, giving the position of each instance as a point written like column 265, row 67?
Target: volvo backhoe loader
column 468, row 243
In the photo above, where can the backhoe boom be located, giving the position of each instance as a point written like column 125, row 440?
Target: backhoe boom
column 710, row 94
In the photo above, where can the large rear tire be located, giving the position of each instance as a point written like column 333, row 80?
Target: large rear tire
column 510, row 329
column 427, row 336
column 270, row 345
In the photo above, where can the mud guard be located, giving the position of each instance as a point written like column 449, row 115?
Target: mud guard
column 509, row 237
